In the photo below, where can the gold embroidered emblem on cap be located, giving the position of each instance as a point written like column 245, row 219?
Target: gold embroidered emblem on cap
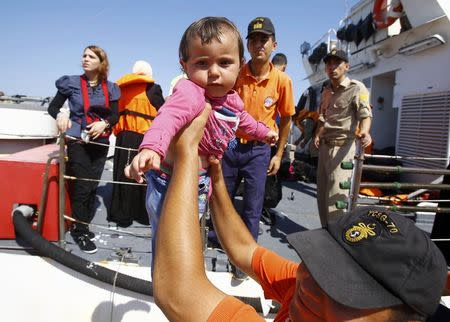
column 257, row 25
column 360, row 232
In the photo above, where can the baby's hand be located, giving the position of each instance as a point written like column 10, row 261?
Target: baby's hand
column 143, row 161
column 271, row 137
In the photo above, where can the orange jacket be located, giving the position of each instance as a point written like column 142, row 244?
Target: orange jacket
column 136, row 112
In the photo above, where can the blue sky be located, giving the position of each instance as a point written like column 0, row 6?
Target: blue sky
column 43, row 40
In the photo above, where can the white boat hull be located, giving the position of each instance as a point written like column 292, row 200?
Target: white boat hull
column 41, row 290
column 21, row 120
column 24, row 126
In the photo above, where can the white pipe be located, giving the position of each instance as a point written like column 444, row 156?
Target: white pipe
column 24, row 210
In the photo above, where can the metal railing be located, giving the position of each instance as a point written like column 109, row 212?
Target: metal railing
column 355, row 184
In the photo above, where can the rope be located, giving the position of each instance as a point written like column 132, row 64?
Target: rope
column 40, row 136
column 98, row 143
column 104, row 227
column 106, row 181
column 113, row 292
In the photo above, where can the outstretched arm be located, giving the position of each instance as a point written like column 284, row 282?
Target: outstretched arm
column 181, row 288
column 186, row 102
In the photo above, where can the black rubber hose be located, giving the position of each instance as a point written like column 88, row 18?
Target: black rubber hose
column 47, row 249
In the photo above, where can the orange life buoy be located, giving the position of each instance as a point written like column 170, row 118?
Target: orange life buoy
column 386, row 12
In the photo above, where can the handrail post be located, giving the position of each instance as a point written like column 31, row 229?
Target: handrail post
column 62, row 190
column 356, row 176
column 43, row 203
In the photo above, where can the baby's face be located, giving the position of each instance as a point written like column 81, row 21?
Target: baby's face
column 214, row 66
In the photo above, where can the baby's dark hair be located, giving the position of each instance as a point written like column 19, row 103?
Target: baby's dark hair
column 209, row 29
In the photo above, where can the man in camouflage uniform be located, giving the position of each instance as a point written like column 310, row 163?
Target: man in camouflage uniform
column 345, row 115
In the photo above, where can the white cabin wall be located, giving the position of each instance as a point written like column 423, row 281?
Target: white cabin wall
column 423, row 11
column 423, row 77
column 424, row 72
column 384, row 122
column 398, row 77
column 445, row 5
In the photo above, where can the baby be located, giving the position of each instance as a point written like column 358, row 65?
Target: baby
column 211, row 54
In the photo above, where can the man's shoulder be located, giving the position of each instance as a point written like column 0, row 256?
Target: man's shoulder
column 279, row 75
column 361, row 92
column 359, row 85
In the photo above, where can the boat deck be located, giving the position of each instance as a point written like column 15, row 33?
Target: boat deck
column 128, row 251
column 296, row 211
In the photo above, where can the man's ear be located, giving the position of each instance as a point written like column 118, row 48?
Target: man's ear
column 347, row 66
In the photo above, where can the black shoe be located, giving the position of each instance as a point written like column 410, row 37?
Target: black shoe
column 76, row 231
column 238, row 274
column 267, row 217
column 90, row 235
column 85, row 244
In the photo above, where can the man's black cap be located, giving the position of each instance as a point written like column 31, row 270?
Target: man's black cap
column 374, row 258
column 261, row 24
column 338, row 53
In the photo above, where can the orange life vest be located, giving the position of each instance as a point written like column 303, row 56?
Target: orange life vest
column 373, row 192
column 136, row 112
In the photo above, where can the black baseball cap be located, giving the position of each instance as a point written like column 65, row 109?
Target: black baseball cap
column 338, row 53
column 261, row 24
column 374, row 258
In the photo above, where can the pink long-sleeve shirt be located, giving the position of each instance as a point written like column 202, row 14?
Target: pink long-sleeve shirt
column 188, row 101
